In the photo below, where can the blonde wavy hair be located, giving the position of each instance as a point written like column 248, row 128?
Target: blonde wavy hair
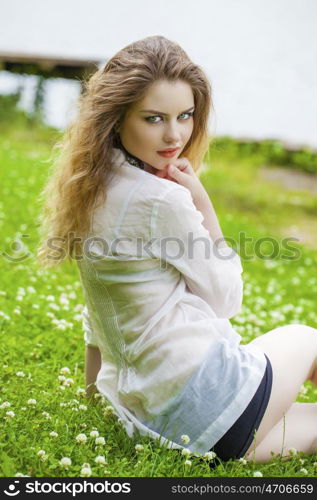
column 82, row 170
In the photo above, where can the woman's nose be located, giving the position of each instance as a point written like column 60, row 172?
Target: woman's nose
column 172, row 134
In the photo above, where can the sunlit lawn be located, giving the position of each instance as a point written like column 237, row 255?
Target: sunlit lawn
column 42, row 403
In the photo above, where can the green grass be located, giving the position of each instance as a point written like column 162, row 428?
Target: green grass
column 40, row 323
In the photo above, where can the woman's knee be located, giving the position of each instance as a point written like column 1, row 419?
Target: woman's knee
column 292, row 352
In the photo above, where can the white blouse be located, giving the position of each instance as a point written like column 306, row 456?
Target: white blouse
column 159, row 295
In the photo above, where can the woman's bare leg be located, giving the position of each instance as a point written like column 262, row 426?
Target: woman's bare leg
column 297, row 430
column 292, row 350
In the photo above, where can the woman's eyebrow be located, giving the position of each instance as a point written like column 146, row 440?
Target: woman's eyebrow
column 160, row 112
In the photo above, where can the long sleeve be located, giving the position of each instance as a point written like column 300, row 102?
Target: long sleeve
column 181, row 240
column 89, row 336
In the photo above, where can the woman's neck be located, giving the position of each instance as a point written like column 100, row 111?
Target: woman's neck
column 133, row 160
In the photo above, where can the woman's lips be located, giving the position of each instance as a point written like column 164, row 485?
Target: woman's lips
column 168, row 154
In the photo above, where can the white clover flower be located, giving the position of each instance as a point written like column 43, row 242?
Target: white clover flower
column 64, row 300
column 186, row 452
column 100, row 460
column 210, row 455
column 19, row 474
column 100, row 440
column 81, row 438
column 94, row 434
column 17, row 310
column 5, row 404
column 65, row 370
column 50, row 298
column 61, row 325
column 80, row 391
column 65, row 462
column 188, row 462
column 139, row 447
column 108, row 410
column 4, row 315
column 46, row 415
column 68, row 382
column 31, row 402
column 41, row 453
column 293, row 451
column 50, row 315
column 243, row 461
column 10, row 414
column 185, row 439
column 20, row 374
column 82, row 407
column 257, row 474
column 85, row 472
column 61, row 378
column 53, row 434
column 304, row 471
column 53, row 306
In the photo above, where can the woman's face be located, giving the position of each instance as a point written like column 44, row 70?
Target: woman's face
column 168, row 124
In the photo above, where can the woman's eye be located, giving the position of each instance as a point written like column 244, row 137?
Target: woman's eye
column 149, row 118
column 156, row 116
column 189, row 114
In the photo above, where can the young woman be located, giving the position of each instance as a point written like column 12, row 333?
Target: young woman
column 159, row 281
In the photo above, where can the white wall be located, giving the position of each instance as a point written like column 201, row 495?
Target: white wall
column 260, row 55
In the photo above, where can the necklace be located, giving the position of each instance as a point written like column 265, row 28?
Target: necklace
column 133, row 160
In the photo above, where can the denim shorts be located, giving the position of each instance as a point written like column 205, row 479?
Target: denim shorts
column 239, row 437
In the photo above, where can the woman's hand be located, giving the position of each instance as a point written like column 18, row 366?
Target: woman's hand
column 184, row 175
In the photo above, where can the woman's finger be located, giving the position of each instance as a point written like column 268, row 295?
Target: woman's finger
column 183, row 165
